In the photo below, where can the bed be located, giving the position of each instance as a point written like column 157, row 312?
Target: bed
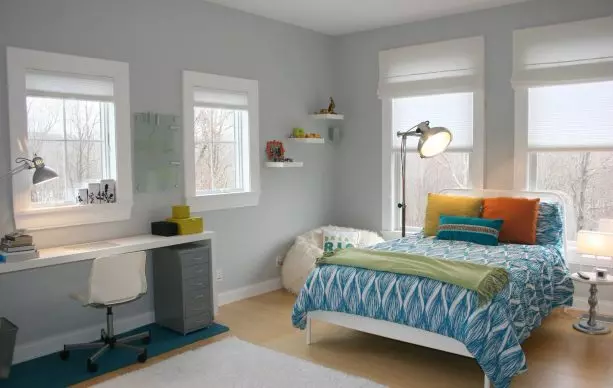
column 443, row 316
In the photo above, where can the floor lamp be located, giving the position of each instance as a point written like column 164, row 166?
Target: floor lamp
column 432, row 141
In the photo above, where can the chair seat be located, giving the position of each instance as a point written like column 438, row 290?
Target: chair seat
column 82, row 296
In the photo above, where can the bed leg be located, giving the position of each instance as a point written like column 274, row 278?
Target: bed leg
column 308, row 331
column 486, row 383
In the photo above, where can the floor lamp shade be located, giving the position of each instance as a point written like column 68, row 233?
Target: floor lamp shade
column 433, row 141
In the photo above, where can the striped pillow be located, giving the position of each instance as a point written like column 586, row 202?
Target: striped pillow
column 477, row 230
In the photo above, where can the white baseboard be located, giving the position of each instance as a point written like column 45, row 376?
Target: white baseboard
column 249, row 291
column 55, row 343
column 604, row 307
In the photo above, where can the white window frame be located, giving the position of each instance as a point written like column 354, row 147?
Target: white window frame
column 458, row 81
column 19, row 61
column 251, row 173
column 476, row 174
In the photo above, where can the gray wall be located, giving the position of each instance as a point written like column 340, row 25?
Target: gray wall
column 359, row 161
column 159, row 38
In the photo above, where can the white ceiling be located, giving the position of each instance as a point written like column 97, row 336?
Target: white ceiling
column 336, row 17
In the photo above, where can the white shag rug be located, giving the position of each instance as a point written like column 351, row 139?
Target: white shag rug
column 235, row 363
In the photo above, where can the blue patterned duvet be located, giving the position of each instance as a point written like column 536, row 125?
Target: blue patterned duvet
column 492, row 333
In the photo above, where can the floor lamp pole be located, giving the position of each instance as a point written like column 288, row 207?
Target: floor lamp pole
column 403, row 169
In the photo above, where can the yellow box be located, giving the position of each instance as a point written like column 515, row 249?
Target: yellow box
column 180, row 211
column 190, row 225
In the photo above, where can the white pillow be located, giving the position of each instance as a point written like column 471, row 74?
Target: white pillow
column 338, row 239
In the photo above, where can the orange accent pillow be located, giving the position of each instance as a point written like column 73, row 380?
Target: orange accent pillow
column 519, row 216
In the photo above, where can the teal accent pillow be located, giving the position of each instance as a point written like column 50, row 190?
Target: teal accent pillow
column 477, row 230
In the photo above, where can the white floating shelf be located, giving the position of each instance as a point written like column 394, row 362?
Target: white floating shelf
column 327, row 116
column 308, row 140
column 283, row 164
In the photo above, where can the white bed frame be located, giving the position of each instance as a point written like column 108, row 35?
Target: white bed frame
column 422, row 337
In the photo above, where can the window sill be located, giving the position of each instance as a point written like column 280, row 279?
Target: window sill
column 63, row 216
column 210, row 202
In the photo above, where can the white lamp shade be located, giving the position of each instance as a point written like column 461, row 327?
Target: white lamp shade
column 433, row 141
column 595, row 243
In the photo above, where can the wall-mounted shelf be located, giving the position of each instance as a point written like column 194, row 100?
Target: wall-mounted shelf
column 284, row 164
column 327, row 116
column 308, row 140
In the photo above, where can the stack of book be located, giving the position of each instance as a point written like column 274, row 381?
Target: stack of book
column 17, row 247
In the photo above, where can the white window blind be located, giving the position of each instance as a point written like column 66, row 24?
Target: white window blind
column 578, row 52
column 453, row 111
column 570, row 117
column 221, row 98
column 66, row 85
column 455, row 65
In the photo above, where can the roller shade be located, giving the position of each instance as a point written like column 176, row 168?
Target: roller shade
column 562, row 53
column 221, row 98
column 68, row 85
column 455, row 65
column 453, row 111
column 573, row 116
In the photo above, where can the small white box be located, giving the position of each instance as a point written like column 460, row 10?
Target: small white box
column 93, row 193
column 108, row 193
column 82, row 198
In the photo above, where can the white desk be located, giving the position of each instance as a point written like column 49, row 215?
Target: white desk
column 89, row 251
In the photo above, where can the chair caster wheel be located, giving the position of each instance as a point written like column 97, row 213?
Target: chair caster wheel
column 92, row 367
column 64, row 354
column 147, row 340
column 142, row 357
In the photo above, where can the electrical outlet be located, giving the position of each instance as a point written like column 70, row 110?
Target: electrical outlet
column 219, row 275
column 279, row 261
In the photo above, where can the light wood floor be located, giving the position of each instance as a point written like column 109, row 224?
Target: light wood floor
column 558, row 356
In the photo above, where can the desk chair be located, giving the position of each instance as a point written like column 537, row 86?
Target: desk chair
column 113, row 281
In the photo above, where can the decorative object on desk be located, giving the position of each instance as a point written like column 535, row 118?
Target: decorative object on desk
column 157, row 152
column 191, row 225
column 432, row 141
column 180, row 211
column 164, row 228
column 8, row 336
column 42, row 173
column 16, row 247
column 82, row 197
column 108, row 194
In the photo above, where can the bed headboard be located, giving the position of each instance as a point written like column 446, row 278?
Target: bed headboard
column 545, row 196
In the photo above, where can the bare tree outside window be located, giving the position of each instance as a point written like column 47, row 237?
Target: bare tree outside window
column 585, row 176
column 73, row 136
column 217, row 149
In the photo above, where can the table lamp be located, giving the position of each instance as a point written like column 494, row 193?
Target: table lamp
column 42, row 173
column 596, row 244
column 432, row 141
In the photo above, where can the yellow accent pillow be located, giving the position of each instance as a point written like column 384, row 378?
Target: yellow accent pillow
column 449, row 205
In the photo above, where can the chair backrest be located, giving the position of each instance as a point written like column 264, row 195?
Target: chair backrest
column 117, row 279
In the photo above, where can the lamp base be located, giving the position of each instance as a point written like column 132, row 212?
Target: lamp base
column 598, row 327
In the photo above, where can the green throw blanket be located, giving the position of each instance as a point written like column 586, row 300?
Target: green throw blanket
column 484, row 280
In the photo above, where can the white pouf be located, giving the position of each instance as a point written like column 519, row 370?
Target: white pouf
column 300, row 259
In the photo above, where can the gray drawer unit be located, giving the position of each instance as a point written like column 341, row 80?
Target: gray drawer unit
column 182, row 283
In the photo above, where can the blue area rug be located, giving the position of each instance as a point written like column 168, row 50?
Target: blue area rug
column 51, row 371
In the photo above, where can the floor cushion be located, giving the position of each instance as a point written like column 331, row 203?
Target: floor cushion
column 300, row 259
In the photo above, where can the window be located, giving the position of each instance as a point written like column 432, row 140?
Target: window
column 221, row 167
column 441, row 83
column 76, row 117
column 564, row 116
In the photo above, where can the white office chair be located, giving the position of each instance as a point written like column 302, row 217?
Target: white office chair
column 113, row 280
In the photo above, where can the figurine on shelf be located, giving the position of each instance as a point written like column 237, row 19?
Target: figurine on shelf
column 275, row 151
column 330, row 110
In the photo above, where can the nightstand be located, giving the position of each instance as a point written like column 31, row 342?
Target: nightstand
column 589, row 325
